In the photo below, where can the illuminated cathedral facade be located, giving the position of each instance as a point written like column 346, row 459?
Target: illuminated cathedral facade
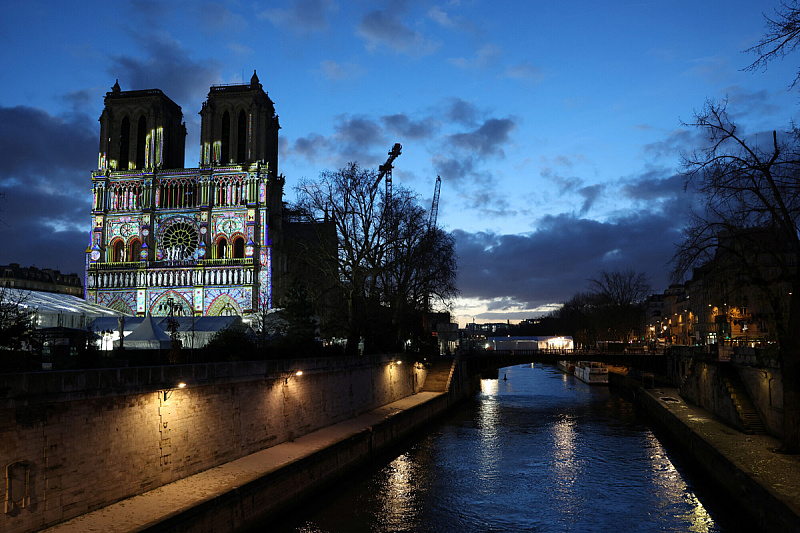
column 185, row 241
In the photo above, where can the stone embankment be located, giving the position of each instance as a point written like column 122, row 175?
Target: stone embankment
column 256, row 487
column 747, row 468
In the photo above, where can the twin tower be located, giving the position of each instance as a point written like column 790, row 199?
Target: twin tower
column 186, row 241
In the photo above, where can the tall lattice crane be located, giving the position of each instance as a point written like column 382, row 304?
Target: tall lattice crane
column 435, row 204
column 385, row 170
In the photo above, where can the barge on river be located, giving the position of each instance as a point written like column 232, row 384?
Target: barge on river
column 592, row 372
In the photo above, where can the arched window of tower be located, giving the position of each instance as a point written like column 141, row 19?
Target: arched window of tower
column 141, row 142
column 225, row 157
column 241, row 138
column 124, row 143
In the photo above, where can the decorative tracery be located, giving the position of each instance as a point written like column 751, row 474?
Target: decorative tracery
column 177, row 193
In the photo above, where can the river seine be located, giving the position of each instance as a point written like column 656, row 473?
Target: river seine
column 537, row 451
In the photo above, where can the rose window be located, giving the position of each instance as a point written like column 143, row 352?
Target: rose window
column 179, row 242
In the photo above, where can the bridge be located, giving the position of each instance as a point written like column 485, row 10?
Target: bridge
column 484, row 361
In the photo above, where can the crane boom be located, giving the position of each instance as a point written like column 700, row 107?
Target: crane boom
column 385, row 170
column 435, row 203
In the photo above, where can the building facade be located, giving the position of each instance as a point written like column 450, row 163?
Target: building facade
column 168, row 240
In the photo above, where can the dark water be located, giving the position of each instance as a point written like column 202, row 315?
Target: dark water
column 540, row 451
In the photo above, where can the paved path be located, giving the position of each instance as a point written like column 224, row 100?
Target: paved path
column 147, row 509
column 755, row 455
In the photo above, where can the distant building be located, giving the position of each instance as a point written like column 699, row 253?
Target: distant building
column 40, row 279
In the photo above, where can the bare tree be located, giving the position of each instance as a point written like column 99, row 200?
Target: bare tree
column 387, row 263
column 747, row 230
column 16, row 329
column 621, row 287
column 781, row 38
column 350, row 199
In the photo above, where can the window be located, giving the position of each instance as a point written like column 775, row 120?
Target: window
column 118, row 252
column 135, row 250
column 141, row 142
column 238, row 248
column 241, row 138
column 222, row 246
column 124, row 143
column 225, row 158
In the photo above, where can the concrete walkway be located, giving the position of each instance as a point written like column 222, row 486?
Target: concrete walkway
column 139, row 512
column 754, row 456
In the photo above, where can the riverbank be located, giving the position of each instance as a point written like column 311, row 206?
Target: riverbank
column 748, row 468
column 232, row 495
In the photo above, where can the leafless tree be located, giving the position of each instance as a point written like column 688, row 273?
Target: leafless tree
column 747, row 230
column 782, row 37
column 386, row 261
column 621, row 287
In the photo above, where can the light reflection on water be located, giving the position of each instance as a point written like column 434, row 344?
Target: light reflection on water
column 537, row 452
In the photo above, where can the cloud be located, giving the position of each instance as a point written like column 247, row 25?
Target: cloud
column 749, row 104
column 384, row 28
column 358, row 133
column 45, row 166
column 525, row 72
column 168, row 66
column 311, row 146
column 340, row 71
column 216, row 18
column 675, row 143
column 401, row 125
column 590, row 194
column 302, row 16
column 461, row 112
column 488, row 139
column 550, row 264
column 487, row 56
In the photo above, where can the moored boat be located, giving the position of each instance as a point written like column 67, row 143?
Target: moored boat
column 591, row 372
column 568, row 367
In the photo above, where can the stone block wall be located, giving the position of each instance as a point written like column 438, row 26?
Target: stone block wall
column 72, row 442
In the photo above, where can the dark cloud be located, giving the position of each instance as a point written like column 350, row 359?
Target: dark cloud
column 400, row 124
column 166, row 65
column 677, row 142
column 590, row 194
column 386, row 28
column 653, row 186
column 488, row 139
column 37, row 145
column 461, row 112
column 302, row 16
column 310, row 147
column 454, row 168
column 357, row 134
column 554, row 262
column 45, row 166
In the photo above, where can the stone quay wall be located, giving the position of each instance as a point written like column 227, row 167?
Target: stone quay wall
column 72, row 442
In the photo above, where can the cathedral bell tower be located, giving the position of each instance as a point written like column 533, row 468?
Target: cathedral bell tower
column 141, row 130
column 239, row 126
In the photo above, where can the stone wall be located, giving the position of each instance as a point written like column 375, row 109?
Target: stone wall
column 705, row 387
column 73, row 442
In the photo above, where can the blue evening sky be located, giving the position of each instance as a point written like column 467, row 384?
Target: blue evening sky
column 555, row 125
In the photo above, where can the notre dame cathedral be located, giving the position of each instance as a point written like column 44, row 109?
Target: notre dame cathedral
column 186, row 241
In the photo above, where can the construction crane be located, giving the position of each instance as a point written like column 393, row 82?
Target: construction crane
column 435, row 204
column 385, row 170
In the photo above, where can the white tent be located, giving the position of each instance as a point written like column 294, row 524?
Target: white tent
column 147, row 336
